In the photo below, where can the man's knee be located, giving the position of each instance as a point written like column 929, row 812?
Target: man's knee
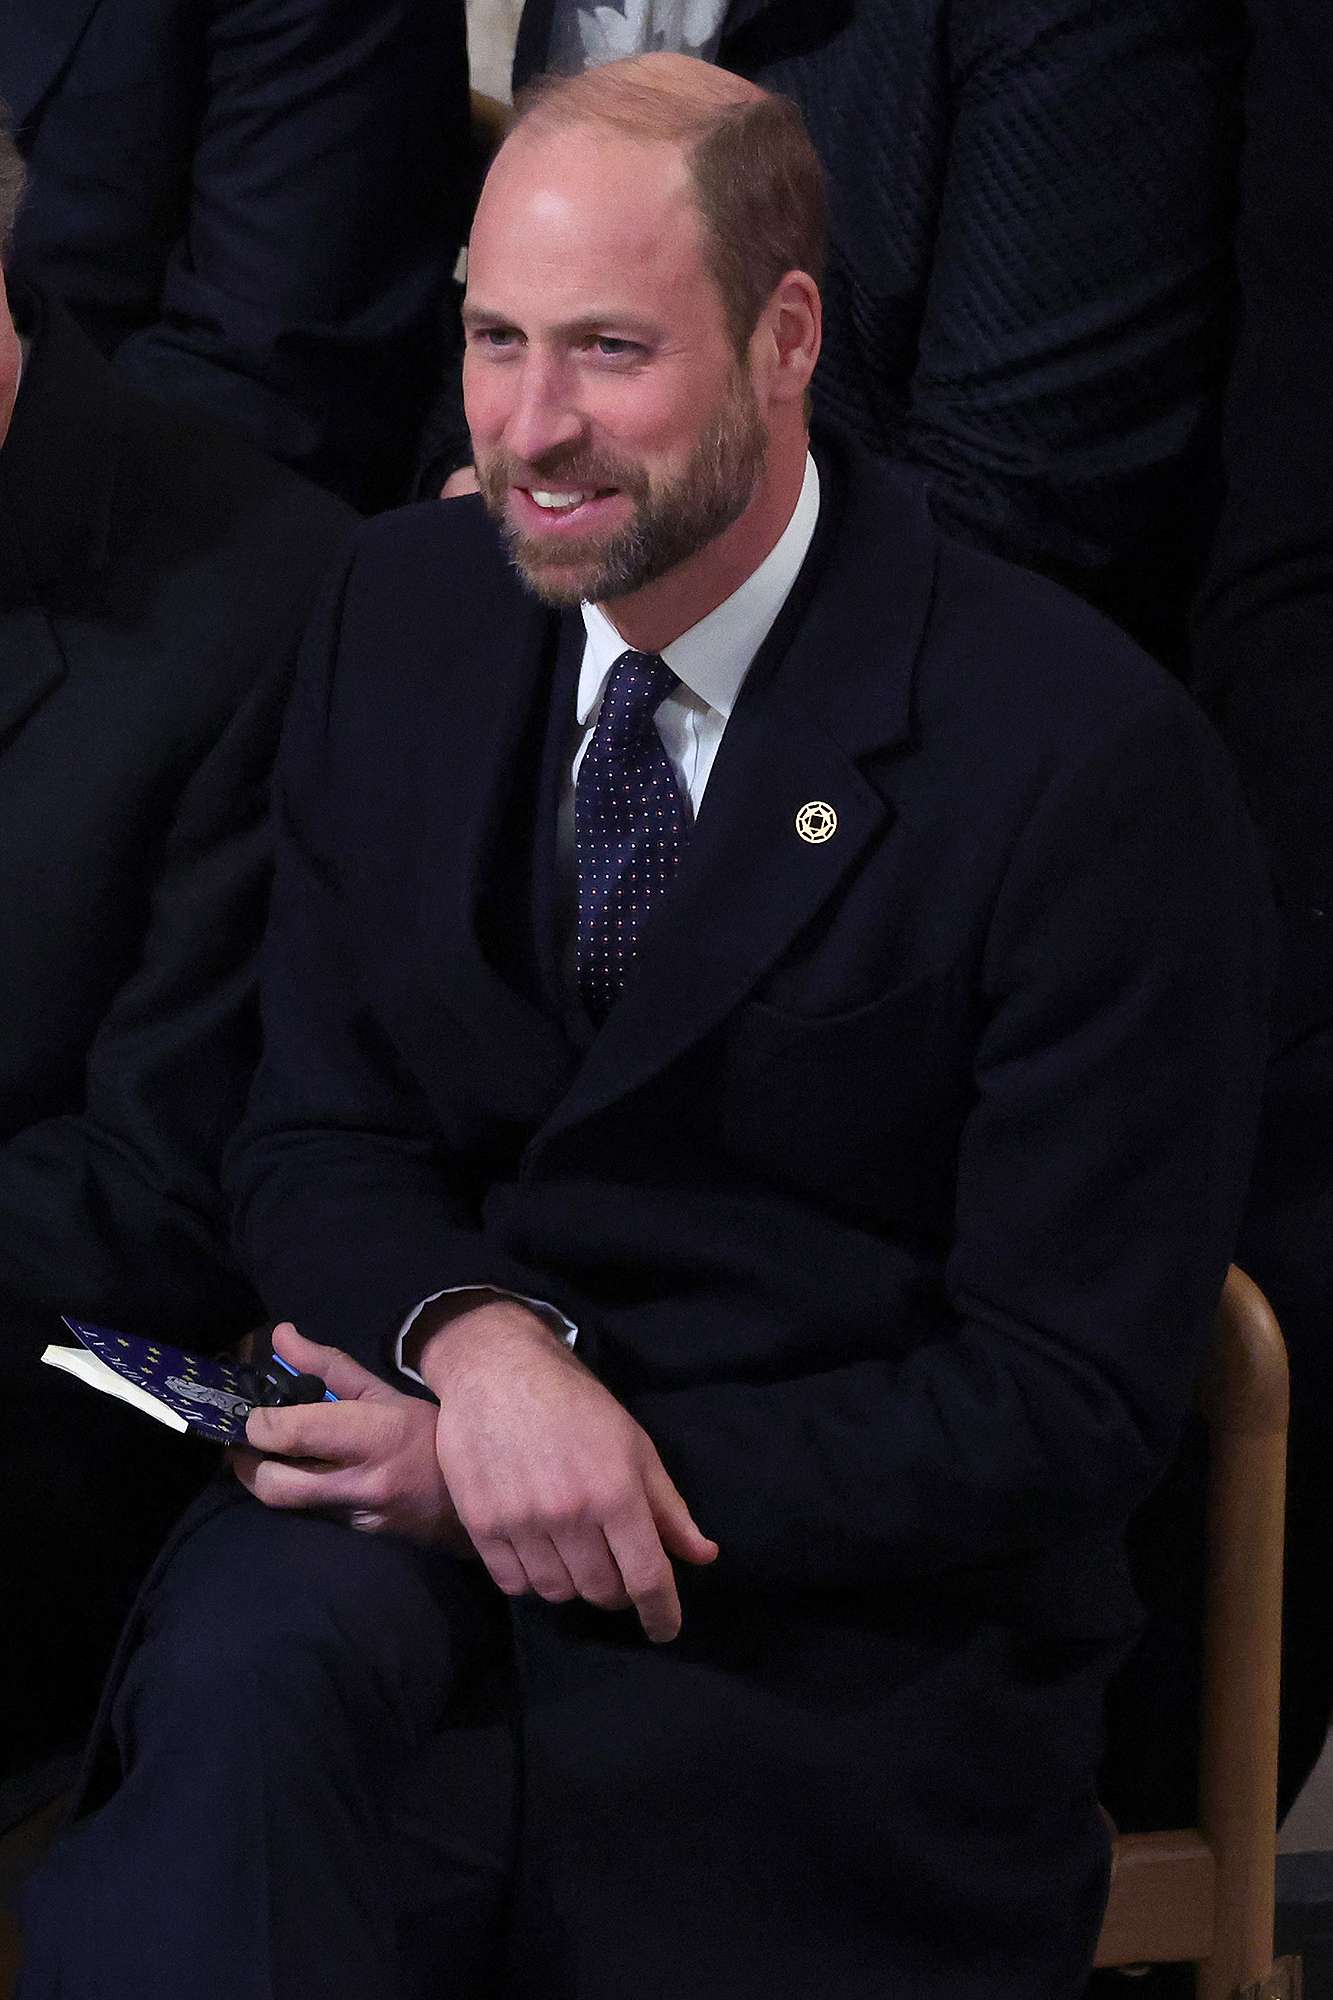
column 300, row 1621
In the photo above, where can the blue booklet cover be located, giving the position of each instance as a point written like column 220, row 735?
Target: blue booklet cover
column 209, row 1394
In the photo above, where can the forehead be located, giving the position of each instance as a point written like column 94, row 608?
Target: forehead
column 585, row 210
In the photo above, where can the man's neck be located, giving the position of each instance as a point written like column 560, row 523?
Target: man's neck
column 652, row 617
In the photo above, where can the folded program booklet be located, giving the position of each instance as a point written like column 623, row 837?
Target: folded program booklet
column 211, row 1395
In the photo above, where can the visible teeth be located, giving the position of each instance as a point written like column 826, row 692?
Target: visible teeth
column 560, row 499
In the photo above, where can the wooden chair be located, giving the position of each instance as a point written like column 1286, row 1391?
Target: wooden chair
column 1206, row 1894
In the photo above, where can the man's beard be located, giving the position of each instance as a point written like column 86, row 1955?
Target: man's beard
column 671, row 521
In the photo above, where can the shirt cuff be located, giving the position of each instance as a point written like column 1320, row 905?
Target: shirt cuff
column 468, row 1296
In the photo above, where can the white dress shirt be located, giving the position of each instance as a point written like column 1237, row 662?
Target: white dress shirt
column 710, row 661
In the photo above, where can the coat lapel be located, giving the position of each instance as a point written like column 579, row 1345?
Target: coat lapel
column 832, row 683
column 487, row 863
column 37, row 41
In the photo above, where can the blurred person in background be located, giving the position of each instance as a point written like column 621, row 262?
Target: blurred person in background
column 154, row 576
column 255, row 206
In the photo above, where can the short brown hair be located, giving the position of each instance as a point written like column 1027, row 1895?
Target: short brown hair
column 11, row 180
column 757, row 179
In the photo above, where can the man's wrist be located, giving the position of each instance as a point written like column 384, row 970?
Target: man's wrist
column 443, row 1339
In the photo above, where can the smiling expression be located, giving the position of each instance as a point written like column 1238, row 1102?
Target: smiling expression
column 618, row 437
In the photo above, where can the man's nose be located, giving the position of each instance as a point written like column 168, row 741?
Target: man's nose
column 545, row 416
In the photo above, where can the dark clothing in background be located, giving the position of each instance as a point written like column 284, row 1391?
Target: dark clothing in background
column 1028, row 291
column 1264, row 665
column 892, row 1198
column 154, row 578
column 255, row 205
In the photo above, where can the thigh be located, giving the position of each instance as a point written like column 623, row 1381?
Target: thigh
column 302, row 1779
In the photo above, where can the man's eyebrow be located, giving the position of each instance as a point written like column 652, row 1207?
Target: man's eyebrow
column 472, row 315
column 584, row 323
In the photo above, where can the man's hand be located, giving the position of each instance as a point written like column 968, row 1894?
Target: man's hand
column 558, row 1488
column 369, row 1458
column 460, row 482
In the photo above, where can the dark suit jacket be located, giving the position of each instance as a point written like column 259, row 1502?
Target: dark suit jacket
column 154, row 576
column 893, row 1198
column 255, row 204
column 1028, row 289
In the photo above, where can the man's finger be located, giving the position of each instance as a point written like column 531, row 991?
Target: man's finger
column 675, row 1524
column 506, row 1571
column 338, row 1432
column 646, row 1575
column 544, row 1567
column 593, row 1570
column 277, row 1483
column 347, row 1378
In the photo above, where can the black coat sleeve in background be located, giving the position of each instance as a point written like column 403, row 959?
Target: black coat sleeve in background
column 257, row 206
column 112, row 1210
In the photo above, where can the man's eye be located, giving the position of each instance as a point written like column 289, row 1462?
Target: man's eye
column 494, row 337
column 613, row 349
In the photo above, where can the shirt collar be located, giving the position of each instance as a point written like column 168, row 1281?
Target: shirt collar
column 713, row 657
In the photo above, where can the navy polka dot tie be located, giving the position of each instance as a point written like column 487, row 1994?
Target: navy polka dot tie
column 629, row 826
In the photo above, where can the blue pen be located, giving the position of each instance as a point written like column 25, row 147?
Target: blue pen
column 297, row 1376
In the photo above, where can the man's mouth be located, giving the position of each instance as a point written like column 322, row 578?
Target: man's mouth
column 558, row 502
column 551, row 509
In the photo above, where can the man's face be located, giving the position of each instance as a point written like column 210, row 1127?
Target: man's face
column 615, row 431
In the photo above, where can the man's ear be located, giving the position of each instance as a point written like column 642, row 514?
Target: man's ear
column 785, row 345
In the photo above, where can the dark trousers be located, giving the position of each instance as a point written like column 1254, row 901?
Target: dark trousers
column 305, row 1781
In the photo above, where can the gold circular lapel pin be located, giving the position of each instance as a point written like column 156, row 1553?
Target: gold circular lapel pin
column 816, row 822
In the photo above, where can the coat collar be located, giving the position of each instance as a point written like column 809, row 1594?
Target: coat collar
column 38, row 41
column 57, row 460
column 832, row 685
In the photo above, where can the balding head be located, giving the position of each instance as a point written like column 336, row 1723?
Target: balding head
column 755, row 177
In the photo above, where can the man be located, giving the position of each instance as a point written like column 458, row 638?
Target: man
column 1029, row 284
column 255, row 206
column 153, row 580
column 816, row 969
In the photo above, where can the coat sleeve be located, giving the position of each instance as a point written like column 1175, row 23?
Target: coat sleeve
column 1065, row 394
column 114, row 1210
column 1100, row 1175
column 330, row 188
column 353, row 1202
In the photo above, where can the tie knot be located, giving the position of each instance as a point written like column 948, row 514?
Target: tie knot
column 637, row 686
